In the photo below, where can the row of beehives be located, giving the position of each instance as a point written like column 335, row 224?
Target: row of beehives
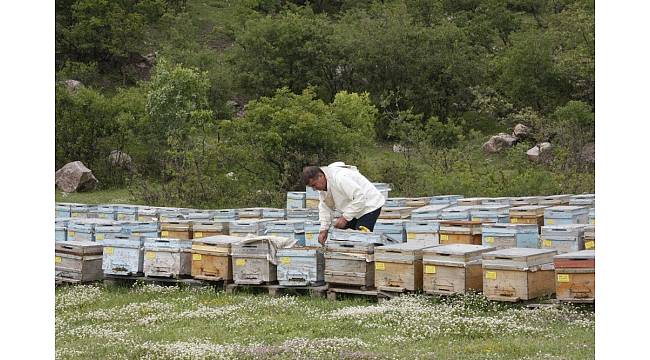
column 350, row 258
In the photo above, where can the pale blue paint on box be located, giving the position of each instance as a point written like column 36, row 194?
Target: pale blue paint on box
column 225, row 214
column 563, row 215
column 456, row 213
column 125, row 257
column 273, row 213
column 521, row 235
column 296, row 199
column 391, row 228
column 300, row 267
column 445, row 199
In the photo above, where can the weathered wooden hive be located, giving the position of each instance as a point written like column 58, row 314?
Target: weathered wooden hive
column 78, row 261
column 312, row 230
column 83, row 229
column 460, row 232
column 524, row 200
column 497, row 201
column 453, row 269
column 563, row 215
column 80, row 210
column 61, row 229
column 166, row 214
column 395, row 202
column 417, row 202
column 166, row 257
column 302, row 214
column 555, row 200
column 503, row 236
column 471, row 201
column 391, row 228
column 207, row 228
column 528, row 214
column 312, row 198
column 446, row 199
column 395, row 213
column 575, row 276
column 147, row 213
column 176, row 229
column 429, row 212
column 494, row 213
column 301, row 266
column 103, row 231
column 106, row 211
column 274, row 213
column 518, row 274
column 292, row 229
column 398, row 267
column 252, row 262
column 141, row 228
column 212, row 257
column 126, row 212
column 563, row 238
column 588, row 200
column 592, row 216
column 349, row 262
column 423, row 232
column 200, row 215
column 590, row 237
column 296, row 199
column 247, row 227
column 62, row 210
column 123, row 255
column 457, row 213
column 225, row 215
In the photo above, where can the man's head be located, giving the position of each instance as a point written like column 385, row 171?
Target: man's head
column 313, row 176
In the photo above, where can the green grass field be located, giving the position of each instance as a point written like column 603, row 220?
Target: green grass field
column 154, row 322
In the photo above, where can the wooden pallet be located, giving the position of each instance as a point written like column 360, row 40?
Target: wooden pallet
column 335, row 289
column 387, row 293
column 117, row 280
column 273, row 289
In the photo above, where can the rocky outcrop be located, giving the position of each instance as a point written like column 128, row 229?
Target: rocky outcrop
column 499, row 142
column 75, row 176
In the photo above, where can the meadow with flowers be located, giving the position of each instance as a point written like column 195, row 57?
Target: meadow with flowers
column 156, row 322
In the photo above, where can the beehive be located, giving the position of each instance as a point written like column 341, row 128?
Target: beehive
column 457, row 213
column 555, row 200
column 588, row 200
column 80, row 210
column 429, row 212
column 251, row 262
column 470, row 201
column 301, row 266
column 126, row 212
column 592, row 216
column 176, row 229
column 518, row 274
column 395, row 213
column 200, row 215
column 398, row 267
column 274, row 213
column 123, row 255
column 496, row 201
column 391, row 228
column 141, row 228
column 575, row 276
column 529, row 214
column 296, row 199
column 292, row 229
column 103, row 231
column 453, row 269
column 350, row 263
column 147, row 213
column 423, row 232
column 524, row 200
column 211, row 257
column 247, row 227
column 495, row 213
column 83, row 229
column 312, row 230
column 107, row 212
column 302, row 214
column 417, row 202
column 383, row 188
column 78, row 261
column 171, row 214
column 590, row 237
column 359, row 236
column 460, row 232
column 395, row 202
column 59, row 233
column 62, row 210
column 250, row 213
column 563, row 238
column 562, row 215
column 503, row 236
column 201, row 229
column 165, row 257
column 445, row 199
column 225, row 215
column 312, row 199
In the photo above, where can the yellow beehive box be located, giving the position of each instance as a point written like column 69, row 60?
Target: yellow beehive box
column 398, row 267
column 453, row 269
column 211, row 257
column 460, row 232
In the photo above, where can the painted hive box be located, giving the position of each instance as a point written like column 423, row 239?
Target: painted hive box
column 453, row 269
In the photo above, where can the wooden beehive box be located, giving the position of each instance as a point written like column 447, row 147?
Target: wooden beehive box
column 457, row 213
column 252, row 264
column 123, row 255
column 302, row 214
column 555, row 200
column 395, row 213
column 575, row 276
column 83, row 229
column 301, row 266
column 503, row 236
column 207, row 228
column 398, row 267
column 528, row 214
column 446, row 199
column 423, row 232
column 141, row 228
column 296, row 200
column 395, row 202
column 494, row 213
column 590, row 237
column 176, row 229
column 292, row 229
column 211, row 257
column 524, row 201
column 563, row 238
column 429, row 212
column 146, row 213
column 312, row 203
column 460, row 232
column 62, row 210
column 588, row 200
column 274, row 213
column 417, row 202
column 470, row 201
column 312, row 230
column 518, row 274
column 225, row 215
column 103, row 231
column 165, row 257
column 126, row 212
column 592, row 216
column 392, row 228
column 107, row 212
column 359, row 236
column 350, row 263
column 496, row 201
column 166, row 214
column 80, row 210
column 247, row 227
column 453, row 269
column 562, row 215
column 78, row 261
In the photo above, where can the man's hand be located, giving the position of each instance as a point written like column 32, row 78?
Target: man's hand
column 341, row 223
column 322, row 237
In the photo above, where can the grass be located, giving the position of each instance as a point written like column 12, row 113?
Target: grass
column 154, row 322
column 114, row 196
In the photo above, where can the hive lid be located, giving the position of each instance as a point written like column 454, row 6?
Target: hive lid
column 78, row 247
column 582, row 254
column 518, row 258
column 218, row 240
column 458, row 249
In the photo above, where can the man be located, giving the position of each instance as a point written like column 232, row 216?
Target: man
column 346, row 190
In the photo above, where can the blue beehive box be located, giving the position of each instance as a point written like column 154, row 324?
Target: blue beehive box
column 461, row 213
column 80, row 211
column 445, row 199
column 503, row 236
column 524, row 201
column 417, row 202
column 197, row 214
column 105, row 211
column 588, row 200
column 312, row 229
column 147, row 229
column 59, row 232
column 429, row 212
column 126, row 212
column 349, row 235
column 555, row 200
column 292, row 229
column 123, row 255
column 103, row 231
column 301, row 266
column 470, row 201
column 247, row 227
column 302, row 214
column 566, row 214
column 148, row 213
column 311, row 193
column 273, row 213
column 296, row 199
column 171, row 214
column 81, row 229
column 496, row 201
column 225, row 214
column 491, row 213
column 62, row 210
column 592, row 216
column 383, row 188
column 391, row 228
column 425, row 232
column 395, row 202
column 250, row 213
column 563, row 238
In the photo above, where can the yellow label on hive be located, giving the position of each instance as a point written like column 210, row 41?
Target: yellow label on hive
column 562, row 277
column 285, row 260
column 71, row 233
column 590, row 245
column 240, row 262
column 309, row 236
column 476, row 219
column 380, row 266
column 489, row 239
column 550, row 222
column 150, row 255
column 99, row 236
column 57, row 259
column 592, row 221
column 429, row 269
column 164, row 233
column 514, row 220
column 410, row 236
column 135, row 234
column 548, row 243
column 196, row 257
column 198, row 234
column 491, row 275
column 141, row 218
column 121, row 216
column 108, row 250
column 444, row 237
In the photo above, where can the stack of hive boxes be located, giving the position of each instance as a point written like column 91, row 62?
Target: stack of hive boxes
column 453, row 269
column 292, row 229
column 495, row 213
column 296, row 200
column 212, row 257
column 460, row 232
column 563, row 215
column 253, row 261
column 167, row 257
column 301, row 266
column 245, row 228
column 312, row 198
column 78, row 261
column 503, row 236
column 349, row 257
column 528, row 214
column 458, row 213
column 398, row 267
column 176, row 229
column 123, row 255
column 563, row 238
column 576, row 276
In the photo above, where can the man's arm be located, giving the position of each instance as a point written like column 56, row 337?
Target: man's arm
column 325, row 218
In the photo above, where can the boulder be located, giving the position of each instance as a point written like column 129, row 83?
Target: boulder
column 533, row 153
column 75, row 176
column 498, row 142
column 588, row 153
column 538, row 150
column 121, row 159
column 521, row 131
column 73, row 85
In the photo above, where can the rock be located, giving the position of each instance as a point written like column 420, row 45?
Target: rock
column 73, row 85
column 75, row 176
column 498, row 142
column 540, row 152
column 521, row 131
column 533, row 153
column 588, row 153
column 397, row 148
column 545, row 146
column 120, row 159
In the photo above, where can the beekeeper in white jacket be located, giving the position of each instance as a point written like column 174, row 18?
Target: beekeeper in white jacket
column 344, row 189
